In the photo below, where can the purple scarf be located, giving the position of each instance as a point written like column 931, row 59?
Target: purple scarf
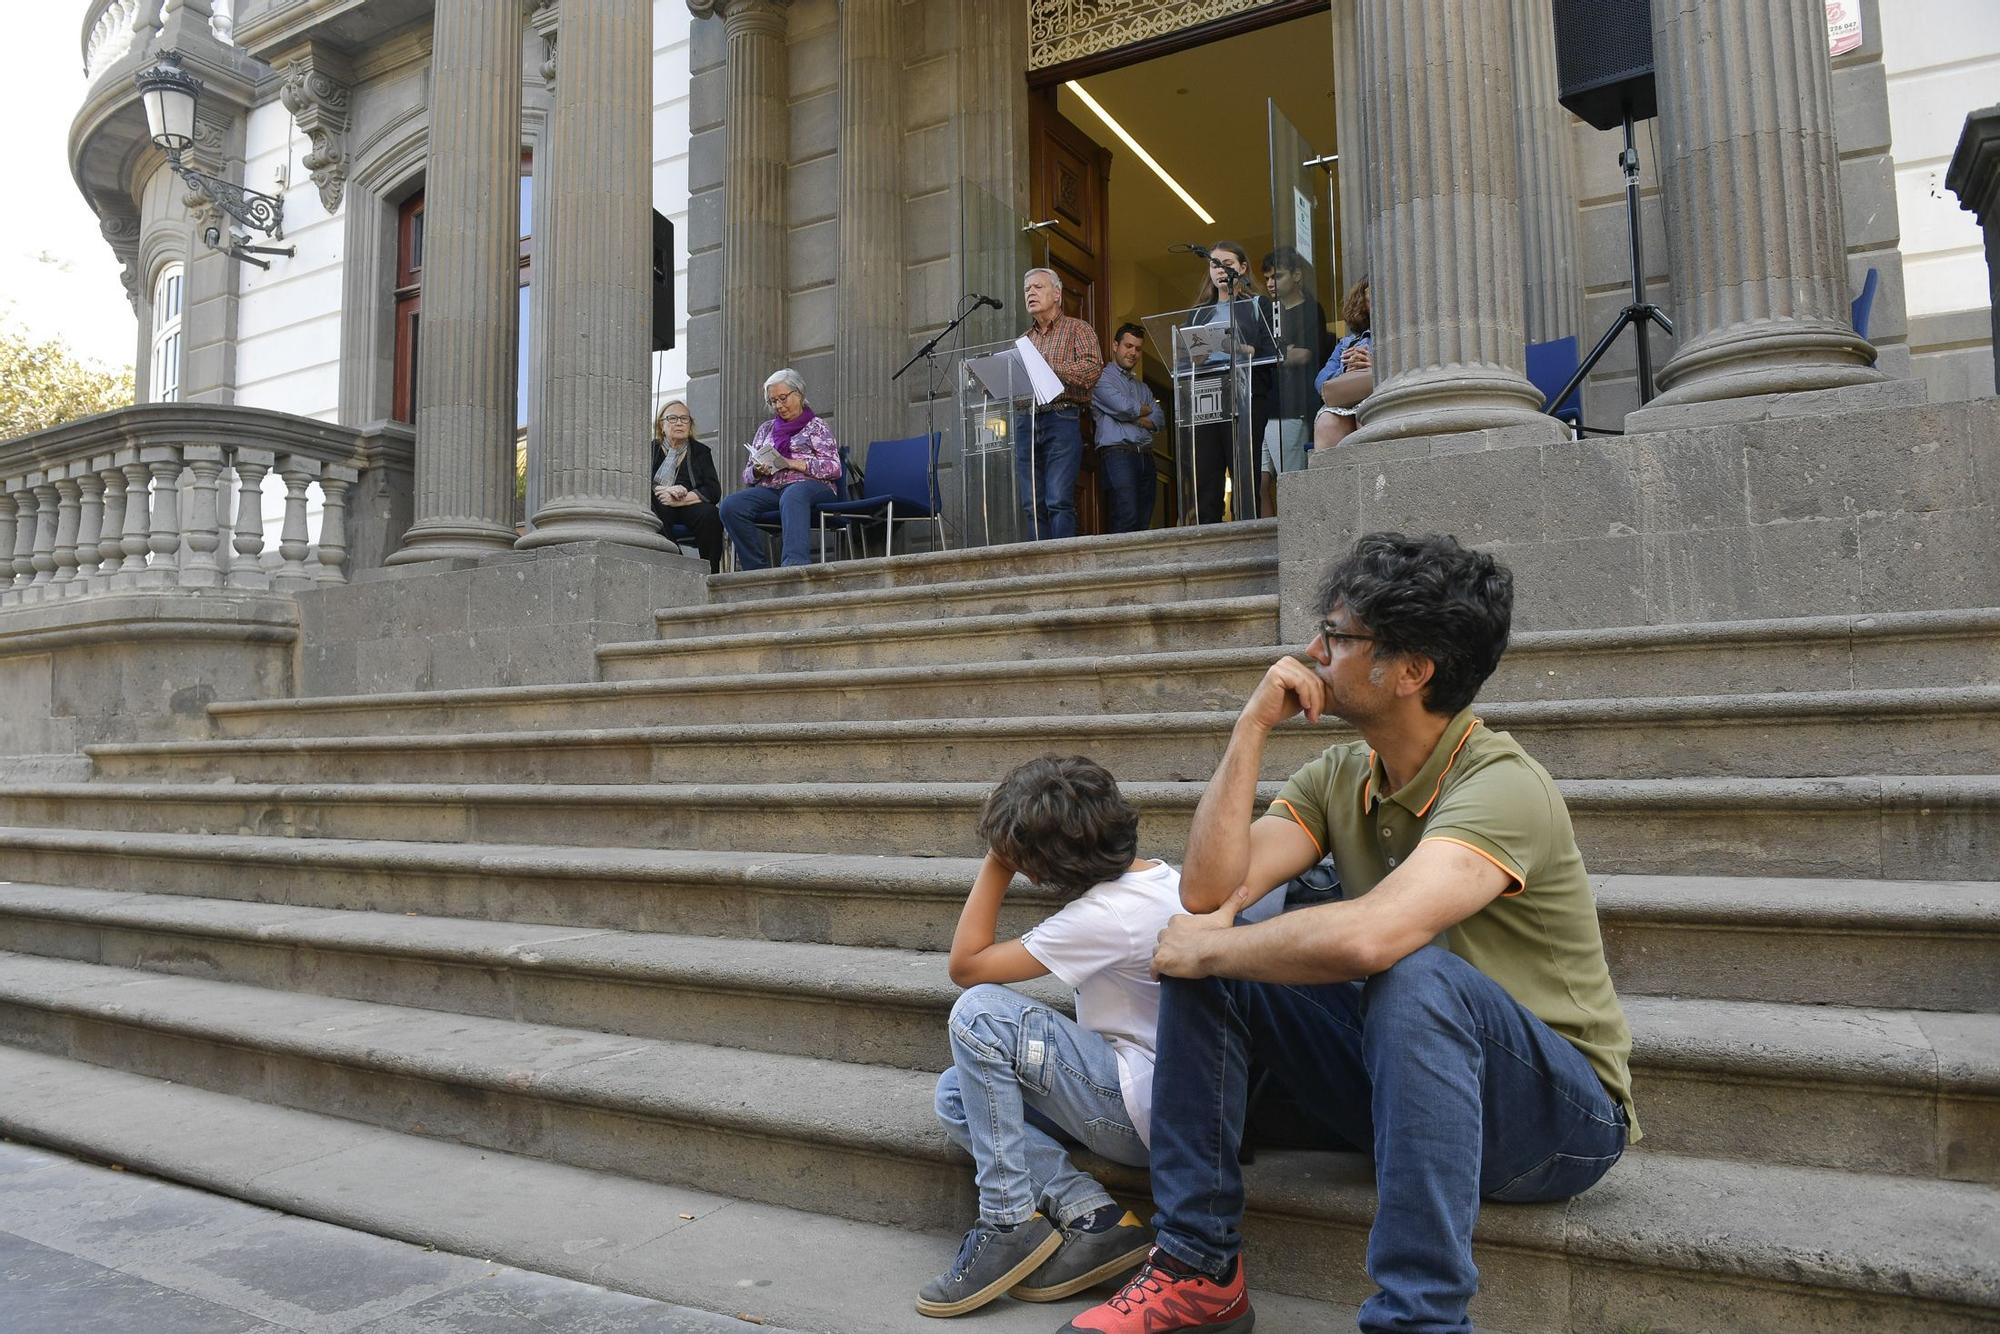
column 782, row 431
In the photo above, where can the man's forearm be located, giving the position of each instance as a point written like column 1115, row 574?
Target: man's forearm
column 1309, row 946
column 1218, row 852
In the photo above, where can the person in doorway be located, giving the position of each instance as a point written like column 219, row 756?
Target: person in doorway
column 794, row 462
column 1349, row 373
column 1452, row 1014
column 1048, row 456
column 1298, row 325
column 1226, row 301
column 685, row 487
column 1126, row 415
column 1026, row 1081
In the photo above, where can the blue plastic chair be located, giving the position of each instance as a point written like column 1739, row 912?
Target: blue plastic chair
column 900, row 486
column 1550, row 366
column 1864, row 305
column 775, row 528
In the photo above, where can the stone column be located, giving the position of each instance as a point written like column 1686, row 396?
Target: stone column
column 1750, row 178
column 467, row 376
column 1542, row 140
column 1350, row 129
column 756, row 141
column 871, row 343
column 596, row 276
column 1444, row 223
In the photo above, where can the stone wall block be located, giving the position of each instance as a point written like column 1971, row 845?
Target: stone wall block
column 927, row 92
column 1484, row 498
column 1868, row 194
column 1590, row 490
column 1817, row 467
column 1692, row 478
column 1809, row 568
column 814, row 125
column 812, row 254
column 707, row 151
column 1861, row 109
column 812, row 192
column 1937, row 560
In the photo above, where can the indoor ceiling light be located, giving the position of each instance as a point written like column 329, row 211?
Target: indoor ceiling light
column 1207, row 219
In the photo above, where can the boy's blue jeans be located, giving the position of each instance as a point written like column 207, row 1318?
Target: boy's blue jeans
column 1459, row 1091
column 1021, row 1075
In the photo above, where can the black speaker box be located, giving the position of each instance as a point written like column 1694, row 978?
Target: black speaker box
column 663, row 282
column 1604, row 60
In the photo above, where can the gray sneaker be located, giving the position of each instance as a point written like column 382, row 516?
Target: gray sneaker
column 989, row 1262
column 1087, row 1259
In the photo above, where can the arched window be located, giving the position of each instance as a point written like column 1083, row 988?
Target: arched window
column 168, row 295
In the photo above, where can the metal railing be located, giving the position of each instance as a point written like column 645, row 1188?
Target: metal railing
column 170, row 496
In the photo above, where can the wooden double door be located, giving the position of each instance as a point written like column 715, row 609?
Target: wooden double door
column 1069, row 203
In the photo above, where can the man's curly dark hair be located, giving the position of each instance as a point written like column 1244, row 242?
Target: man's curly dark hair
column 1061, row 821
column 1431, row 597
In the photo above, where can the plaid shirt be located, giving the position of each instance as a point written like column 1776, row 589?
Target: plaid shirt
column 1070, row 347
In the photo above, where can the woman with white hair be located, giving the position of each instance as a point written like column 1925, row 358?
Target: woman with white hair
column 794, row 461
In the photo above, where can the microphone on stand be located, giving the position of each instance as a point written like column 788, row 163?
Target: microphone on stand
column 985, row 301
column 1188, row 248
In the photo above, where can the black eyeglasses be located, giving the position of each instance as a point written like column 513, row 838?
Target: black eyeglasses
column 679, row 421
column 1333, row 636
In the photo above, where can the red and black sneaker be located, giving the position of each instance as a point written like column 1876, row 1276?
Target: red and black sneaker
column 1162, row 1297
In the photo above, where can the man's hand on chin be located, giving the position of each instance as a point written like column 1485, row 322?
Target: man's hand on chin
column 1182, row 950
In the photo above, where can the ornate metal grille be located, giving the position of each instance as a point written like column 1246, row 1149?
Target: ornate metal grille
column 1060, row 31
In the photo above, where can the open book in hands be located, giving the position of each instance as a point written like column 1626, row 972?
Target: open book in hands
column 765, row 459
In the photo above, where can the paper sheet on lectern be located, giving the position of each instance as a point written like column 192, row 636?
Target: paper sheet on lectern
column 1047, row 384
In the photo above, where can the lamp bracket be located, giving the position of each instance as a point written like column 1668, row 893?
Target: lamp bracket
column 250, row 207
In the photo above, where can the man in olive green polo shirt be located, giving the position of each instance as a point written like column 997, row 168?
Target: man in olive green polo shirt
column 1452, row 1015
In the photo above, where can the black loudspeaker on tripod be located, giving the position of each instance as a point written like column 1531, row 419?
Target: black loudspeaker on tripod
column 1604, row 75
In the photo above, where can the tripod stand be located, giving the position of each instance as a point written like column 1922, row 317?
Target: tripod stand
column 1640, row 312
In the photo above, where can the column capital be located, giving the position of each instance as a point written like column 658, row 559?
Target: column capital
column 1974, row 174
column 743, row 15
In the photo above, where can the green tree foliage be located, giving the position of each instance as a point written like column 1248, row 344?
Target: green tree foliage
column 43, row 384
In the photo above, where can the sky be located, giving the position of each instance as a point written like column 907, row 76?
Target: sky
column 58, row 278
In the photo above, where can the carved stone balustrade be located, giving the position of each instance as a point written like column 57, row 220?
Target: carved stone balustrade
column 170, row 496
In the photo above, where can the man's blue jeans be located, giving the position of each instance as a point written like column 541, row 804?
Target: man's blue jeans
column 1045, row 484
column 792, row 504
column 1129, row 480
column 1021, row 1075
column 1459, row 1091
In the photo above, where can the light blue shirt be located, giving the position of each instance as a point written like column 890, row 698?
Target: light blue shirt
column 1117, row 402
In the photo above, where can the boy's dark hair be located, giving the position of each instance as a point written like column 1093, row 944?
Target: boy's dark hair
column 1431, row 597
column 1061, row 822
column 1129, row 328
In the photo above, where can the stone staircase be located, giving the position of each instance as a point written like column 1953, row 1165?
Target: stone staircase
column 685, row 926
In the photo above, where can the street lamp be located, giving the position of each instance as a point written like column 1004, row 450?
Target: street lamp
column 170, row 94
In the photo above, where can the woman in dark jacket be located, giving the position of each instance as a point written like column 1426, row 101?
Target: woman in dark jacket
column 685, row 487
column 1226, row 299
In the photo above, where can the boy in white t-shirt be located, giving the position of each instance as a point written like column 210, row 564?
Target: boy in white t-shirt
column 1026, row 1079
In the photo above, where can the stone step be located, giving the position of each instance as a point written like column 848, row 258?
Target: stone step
column 1935, row 731
column 1817, row 654
column 1874, row 827
column 997, row 640
column 772, row 1266
column 1016, row 595
column 1707, row 1239
column 1172, row 546
column 1892, row 1091
column 1931, row 945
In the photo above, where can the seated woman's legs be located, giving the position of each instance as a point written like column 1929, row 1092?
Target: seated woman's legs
column 704, row 528
column 795, row 504
column 739, row 513
column 1330, row 428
